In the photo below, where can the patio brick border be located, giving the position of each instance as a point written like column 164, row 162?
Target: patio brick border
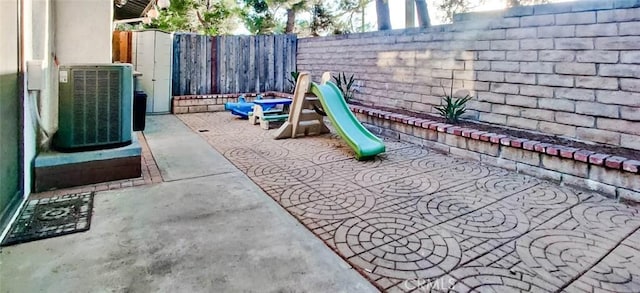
column 613, row 176
column 212, row 102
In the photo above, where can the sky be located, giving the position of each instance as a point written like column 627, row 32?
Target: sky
column 396, row 10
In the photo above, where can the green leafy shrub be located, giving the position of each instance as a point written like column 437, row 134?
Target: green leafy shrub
column 453, row 108
column 345, row 85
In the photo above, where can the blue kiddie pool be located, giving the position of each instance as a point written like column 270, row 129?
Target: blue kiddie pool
column 242, row 108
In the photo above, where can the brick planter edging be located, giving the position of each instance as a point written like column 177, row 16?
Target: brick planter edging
column 611, row 175
column 212, row 102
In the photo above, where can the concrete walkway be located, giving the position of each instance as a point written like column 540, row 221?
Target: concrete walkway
column 208, row 230
column 416, row 220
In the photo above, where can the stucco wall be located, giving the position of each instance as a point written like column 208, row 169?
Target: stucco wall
column 83, row 31
column 567, row 69
column 66, row 31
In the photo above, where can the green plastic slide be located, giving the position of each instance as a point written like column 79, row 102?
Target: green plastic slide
column 363, row 142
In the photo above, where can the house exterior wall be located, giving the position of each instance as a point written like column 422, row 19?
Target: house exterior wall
column 66, row 31
column 568, row 69
column 83, row 31
column 10, row 158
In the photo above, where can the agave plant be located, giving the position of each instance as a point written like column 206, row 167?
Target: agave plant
column 294, row 78
column 345, row 85
column 453, row 108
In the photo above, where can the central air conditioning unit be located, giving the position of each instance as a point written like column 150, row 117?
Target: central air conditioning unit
column 95, row 104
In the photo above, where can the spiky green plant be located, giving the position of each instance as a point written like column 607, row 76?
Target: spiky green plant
column 345, row 85
column 453, row 108
column 292, row 81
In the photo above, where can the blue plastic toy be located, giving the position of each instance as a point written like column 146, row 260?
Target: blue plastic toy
column 242, row 108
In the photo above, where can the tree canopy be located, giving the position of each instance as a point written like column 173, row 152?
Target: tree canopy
column 212, row 17
column 303, row 17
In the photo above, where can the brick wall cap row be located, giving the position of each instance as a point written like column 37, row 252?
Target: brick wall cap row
column 581, row 155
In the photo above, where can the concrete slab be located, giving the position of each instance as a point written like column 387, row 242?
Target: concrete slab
column 211, row 234
column 179, row 152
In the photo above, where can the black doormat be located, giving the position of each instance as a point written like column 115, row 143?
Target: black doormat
column 51, row 217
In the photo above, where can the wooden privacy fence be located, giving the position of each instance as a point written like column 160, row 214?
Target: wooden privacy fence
column 194, row 65
column 232, row 64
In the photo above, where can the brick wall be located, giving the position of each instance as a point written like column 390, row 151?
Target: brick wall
column 569, row 69
column 213, row 102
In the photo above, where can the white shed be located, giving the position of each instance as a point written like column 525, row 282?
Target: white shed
column 152, row 52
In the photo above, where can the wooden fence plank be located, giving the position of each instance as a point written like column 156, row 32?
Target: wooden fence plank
column 261, row 64
column 208, row 65
column 270, row 62
column 184, row 64
column 281, row 62
column 221, row 64
column 245, row 65
column 230, row 62
column 214, row 64
column 237, row 63
column 202, row 66
column 194, row 64
column 251, row 66
column 175, row 74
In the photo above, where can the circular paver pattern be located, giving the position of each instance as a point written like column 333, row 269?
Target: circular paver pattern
column 560, row 255
column 383, row 173
column 348, row 169
column 466, row 171
column 488, row 279
column 418, row 185
column 618, row 272
column 393, row 144
column 311, row 174
column 263, row 168
column 308, row 192
column 495, row 221
column 273, row 152
column 504, row 183
column 443, row 206
column 406, row 154
column 230, row 141
column 605, row 215
column 398, row 246
column 433, row 162
column 299, row 194
column 333, row 187
column 331, row 156
column 311, row 144
column 343, row 206
column 242, row 154
column 550, row 195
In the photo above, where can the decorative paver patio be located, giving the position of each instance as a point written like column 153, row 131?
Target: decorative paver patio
column 414, row 219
